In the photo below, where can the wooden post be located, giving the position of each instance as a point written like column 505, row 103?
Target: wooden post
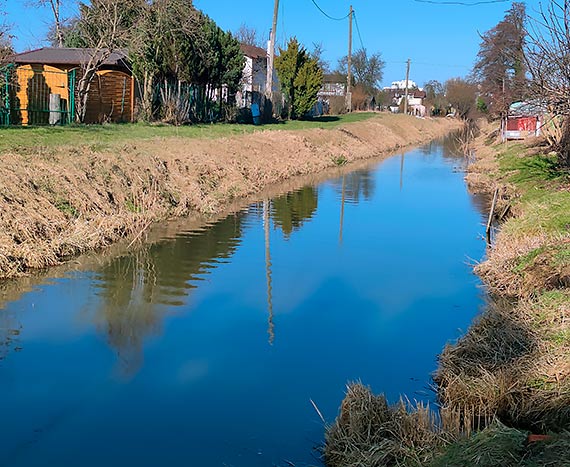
column 271, row 54
column 133, row 99
column 491, row 213
column 349, row 63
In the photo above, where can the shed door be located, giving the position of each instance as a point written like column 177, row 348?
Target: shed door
column 110, row 98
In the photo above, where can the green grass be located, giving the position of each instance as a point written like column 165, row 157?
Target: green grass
column 100, row 137
column 543, row 192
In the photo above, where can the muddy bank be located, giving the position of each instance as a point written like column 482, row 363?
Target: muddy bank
column 58, row 202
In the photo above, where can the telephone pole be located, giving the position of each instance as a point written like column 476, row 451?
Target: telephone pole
column 407, row 87
column 349, row 77
column 271, row 54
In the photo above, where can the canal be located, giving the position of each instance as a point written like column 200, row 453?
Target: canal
column 205, row 347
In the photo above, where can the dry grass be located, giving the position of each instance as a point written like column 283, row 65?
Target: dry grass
column 368, row 432
column 60, row 201
column 513, row 365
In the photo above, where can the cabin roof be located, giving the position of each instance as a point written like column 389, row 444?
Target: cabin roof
column 66, row 56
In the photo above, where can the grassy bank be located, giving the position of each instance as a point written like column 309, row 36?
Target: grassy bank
column 511, row 372
column 106, row 136
column 81, row 189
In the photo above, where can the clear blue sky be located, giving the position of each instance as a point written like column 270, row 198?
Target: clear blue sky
column 441, row 40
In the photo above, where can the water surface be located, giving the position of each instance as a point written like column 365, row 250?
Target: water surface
column 206, row 347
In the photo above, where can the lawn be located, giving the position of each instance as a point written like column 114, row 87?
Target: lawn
column 33, row 137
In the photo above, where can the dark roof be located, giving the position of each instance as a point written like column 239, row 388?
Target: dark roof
column 66, row 56
column 334, row 78
column 252, row 51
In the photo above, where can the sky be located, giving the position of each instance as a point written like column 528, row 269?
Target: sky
column 441, row 40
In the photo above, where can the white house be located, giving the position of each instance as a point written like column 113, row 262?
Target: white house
column 254, row 76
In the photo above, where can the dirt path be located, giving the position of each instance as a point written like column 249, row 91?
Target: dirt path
column 59, row 202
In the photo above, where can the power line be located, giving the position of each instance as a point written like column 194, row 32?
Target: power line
column 480, row 2
column 359, row 35
column 327, row 15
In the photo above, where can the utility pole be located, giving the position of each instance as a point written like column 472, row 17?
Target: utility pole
column 407, row 87
column 271, row 54
column 349, row 77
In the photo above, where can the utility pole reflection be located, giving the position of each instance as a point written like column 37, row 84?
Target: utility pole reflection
column 402, row 171
column 342, row 210
column 266, row 222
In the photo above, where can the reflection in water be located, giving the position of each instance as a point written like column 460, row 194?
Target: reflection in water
column 266, row 226
column 134, row 288
column 356, row 186
column 9, row 334
column 403, row 157
column 342, row 198
column 290, row 211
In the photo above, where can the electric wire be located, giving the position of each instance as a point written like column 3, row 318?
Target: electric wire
column 327, row 15
column 358, row 31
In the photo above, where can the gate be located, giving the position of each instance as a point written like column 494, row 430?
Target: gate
column 36, row 95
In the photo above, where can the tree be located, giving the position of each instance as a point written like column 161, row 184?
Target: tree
column 549, row 67
column 300, row 77
column 367, row 70
column 56, row 34
column 435, row 97
column 317, row 54
column 104, row 26
column 249, row 36
column 462, row 96
column 175, row 43
column 6, row 48
column 500, row 68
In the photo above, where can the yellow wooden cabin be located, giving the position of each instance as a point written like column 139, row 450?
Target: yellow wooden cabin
column 53, row 73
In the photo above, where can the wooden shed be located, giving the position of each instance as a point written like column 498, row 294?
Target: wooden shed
column 53, row 73
column 524, row 119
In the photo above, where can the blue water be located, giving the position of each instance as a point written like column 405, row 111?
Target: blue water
column 206, row 347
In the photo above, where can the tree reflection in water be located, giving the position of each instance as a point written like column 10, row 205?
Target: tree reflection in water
column 136, row 290
column 290, row 211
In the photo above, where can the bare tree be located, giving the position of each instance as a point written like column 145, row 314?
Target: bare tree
column 462, row 95
column 548, row 59
column 5, row 37
column 249, row 36
column 58, row 21
column 104, row 25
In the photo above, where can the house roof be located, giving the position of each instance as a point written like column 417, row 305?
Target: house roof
column 252, row 51
column 527, row 109
column 66, row 56
column 334, row 78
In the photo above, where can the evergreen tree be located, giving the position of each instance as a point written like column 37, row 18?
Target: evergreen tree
column 300, row 76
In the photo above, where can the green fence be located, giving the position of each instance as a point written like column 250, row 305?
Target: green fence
column 36, row 95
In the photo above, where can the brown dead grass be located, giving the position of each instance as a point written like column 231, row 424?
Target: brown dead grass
column 56, row 203
column 368, row 432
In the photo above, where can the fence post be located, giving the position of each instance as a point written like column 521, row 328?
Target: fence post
column 71, row 78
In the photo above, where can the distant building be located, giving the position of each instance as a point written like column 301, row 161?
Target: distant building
column 334, row 84
column 396, row 94
column 524, row 119
column 402, row 85
column 254, row 76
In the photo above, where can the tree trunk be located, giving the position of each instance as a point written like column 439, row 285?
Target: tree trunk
column 564, row 145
